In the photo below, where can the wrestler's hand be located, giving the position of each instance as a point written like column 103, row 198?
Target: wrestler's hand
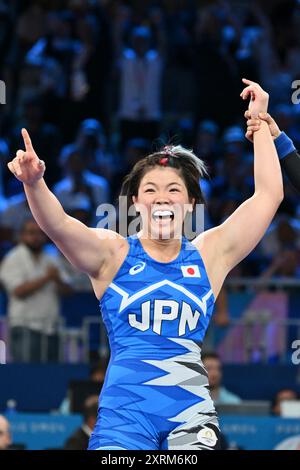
column 26, row 166
column 259, row 99
column 254, row 124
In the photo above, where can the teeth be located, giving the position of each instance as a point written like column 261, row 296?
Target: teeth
column 162, row 214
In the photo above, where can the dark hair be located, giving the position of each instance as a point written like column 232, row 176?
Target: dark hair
column 275, row 399
column 210, row 355
column 90, row 408
column 95, row 368
column 191, row 169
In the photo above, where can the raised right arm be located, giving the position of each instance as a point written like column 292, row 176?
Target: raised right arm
column 86, row 248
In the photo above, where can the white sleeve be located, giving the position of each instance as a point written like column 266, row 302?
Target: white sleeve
column 11, row 274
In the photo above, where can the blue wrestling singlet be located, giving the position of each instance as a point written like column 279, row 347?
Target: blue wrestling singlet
column 155, row 395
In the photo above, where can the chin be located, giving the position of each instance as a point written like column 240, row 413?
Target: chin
column 165, row 233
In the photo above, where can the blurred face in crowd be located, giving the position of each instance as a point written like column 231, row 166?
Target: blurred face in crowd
column 140, row 44
column 32, row 112
column 91, row 411
column 5, row 438
column 134, row 154
column 289, row 263
column 283, row 395
column 58, row 26
column 214, row 370
column 75, row 163
column 286, row 233
column 205, row 141
column 33, row 237
column 98, row 375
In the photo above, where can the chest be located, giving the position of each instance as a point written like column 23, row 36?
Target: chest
column 166, row 300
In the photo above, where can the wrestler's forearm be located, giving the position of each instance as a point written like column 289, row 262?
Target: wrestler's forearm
column 267, row 172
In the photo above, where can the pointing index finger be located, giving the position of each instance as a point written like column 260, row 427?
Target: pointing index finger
column 27, row 140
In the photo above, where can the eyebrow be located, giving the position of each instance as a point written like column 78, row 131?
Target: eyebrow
column 170, row 184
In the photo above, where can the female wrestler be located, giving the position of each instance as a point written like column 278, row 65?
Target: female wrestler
column 157, row 290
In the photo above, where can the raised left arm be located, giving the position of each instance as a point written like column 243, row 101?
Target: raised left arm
column 242, row 231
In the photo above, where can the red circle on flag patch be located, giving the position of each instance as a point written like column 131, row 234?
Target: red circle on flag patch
column 191, row 270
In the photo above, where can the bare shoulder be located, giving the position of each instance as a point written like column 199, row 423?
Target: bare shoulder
column 207, row 242
column 112, row 240
column 116, row 252
column 208, row 246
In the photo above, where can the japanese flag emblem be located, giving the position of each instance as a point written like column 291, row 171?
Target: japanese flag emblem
column 190, row 271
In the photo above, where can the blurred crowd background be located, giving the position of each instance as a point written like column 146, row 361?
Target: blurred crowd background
column 99, row 84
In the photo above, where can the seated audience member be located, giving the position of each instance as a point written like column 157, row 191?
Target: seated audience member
column 286, row 394
column 219, row 393
column 5, row 436
column 79, row 440
column 97, row 374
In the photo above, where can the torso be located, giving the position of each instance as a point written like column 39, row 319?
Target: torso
column 156, row 313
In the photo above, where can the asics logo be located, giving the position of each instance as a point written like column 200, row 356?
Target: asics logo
column 137, row 268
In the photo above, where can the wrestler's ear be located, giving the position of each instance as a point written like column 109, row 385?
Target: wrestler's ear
column 136, row 205
column 191, row 205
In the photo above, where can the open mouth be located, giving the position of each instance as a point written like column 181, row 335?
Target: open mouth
column 160, row 215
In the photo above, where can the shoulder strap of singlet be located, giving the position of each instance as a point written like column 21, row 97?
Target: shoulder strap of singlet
column 135, row 247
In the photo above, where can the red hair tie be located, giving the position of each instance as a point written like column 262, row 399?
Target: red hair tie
column 164, row 161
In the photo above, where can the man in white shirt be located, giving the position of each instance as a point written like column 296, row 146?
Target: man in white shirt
column 140, row 87
column 33, row 284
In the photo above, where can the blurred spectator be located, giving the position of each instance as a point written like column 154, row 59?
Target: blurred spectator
column 134, row 151
column 282, row 395
column 91, row 68
column 79, row 181
column 140, row 86
column 79, row 281
column 33, row 284
column 207, row 145
column 97, row 374
column 279, row 248
column 31, row 25
column 285, row 117
column 46, row 137
column 92, row 143
column 5, row 436
column 221, row 316
column 15, row 212
column 219, row 394
column 213, row 55
column 285, row 264
column 4, row 158
column 79, row 440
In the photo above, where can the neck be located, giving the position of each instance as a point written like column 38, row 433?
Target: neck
column 169, row 247
column 34, row 251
